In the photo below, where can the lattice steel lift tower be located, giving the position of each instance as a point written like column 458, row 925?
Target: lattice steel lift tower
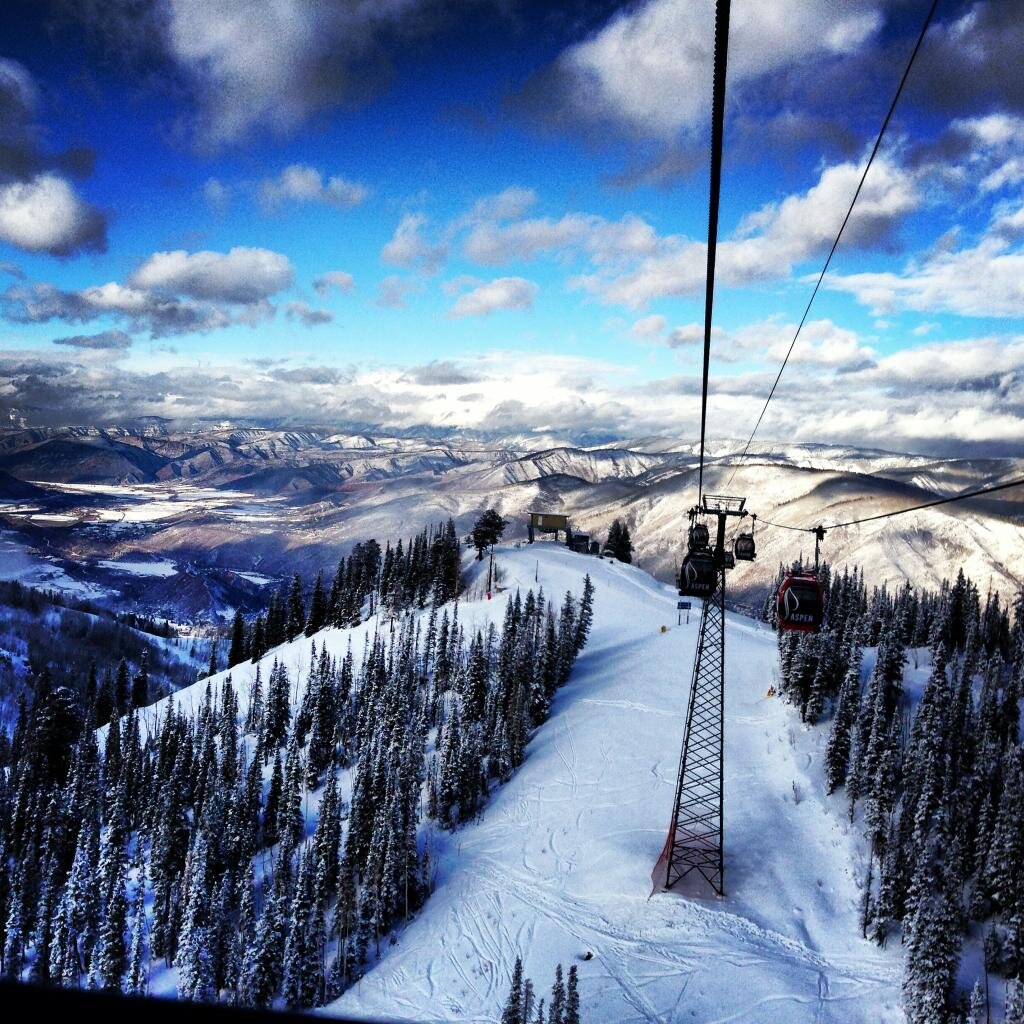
column 695, row 838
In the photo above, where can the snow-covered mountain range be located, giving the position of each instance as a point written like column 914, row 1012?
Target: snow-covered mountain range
column 226, row 508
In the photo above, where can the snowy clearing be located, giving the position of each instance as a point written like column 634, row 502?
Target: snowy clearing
column 162, row 568
column 560, row 861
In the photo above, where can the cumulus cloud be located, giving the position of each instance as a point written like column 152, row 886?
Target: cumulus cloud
column 653, row 329
column 688, row 334
column 801, row 75
column 646, row 74
column 170, row 293
column 975, row 365
column 771, row 240
column 263, row 65
column 509, row 204
column 301, row 184
column 943, row 398
column 161, row 315
column 441, row 372
column 45, row 215
column 40, row 211
column 501, row 293
column 493, row 244
column 217, row 195
column 649, row 327
column 821, row 343
column 648, row 69
column 339, row 280
column 392, row 291
column 242, row 274
column 103, row 340
column 409, row 248
column 985, row 279
column 306, row 315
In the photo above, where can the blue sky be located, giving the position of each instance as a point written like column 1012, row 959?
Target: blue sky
column 511, row 199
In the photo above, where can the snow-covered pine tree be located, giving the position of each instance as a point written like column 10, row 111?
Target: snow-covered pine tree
column 196, row 970
column 513, row 1010
column 137, row 980
column 237, row 651
column 837, row 752
column 556, row 1009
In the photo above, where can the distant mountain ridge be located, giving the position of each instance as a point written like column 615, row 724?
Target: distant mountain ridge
column 277, row 501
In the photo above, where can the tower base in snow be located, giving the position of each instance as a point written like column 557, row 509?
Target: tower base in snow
column 694, row 850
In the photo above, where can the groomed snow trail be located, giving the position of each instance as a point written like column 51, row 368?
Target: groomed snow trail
column 560, row 860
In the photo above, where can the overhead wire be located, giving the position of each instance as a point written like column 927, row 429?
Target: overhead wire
column 722, row 9
column 831, row 253
column 1005, row 486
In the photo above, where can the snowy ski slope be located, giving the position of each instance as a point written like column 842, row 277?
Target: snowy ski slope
column 559, row 862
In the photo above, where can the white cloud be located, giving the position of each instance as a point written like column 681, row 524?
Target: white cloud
column 408, row 247
column 159, row 314
column 217, row 195
column 341, row 280
column 264, row 64
column 688, row 334
column 772, row 240
column 982, row 280
column 649, row 327
column 995, row 157
column 650, row 67
column 509, row 204
column 241, row 275
column 45, row 215
column 106, row 340
column 948, row 398
column 952, row 364
column 1009, row 224
column 302, row 184
column 945, row 398
column 993, row 131
column 605, row 241
column 501, row 293
column 305, row 314
column 392, row 291
column 821, row 343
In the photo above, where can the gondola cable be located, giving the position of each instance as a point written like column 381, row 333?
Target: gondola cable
column 828, row 260
column 1019, row 482
column 721, row 61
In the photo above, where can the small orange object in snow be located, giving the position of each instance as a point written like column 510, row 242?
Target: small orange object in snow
column 771, row 691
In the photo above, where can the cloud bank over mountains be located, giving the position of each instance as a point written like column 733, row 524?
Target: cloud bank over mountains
column 950, row 398
column 299, row 181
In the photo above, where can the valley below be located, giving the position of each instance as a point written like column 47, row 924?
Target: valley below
column 192, row 525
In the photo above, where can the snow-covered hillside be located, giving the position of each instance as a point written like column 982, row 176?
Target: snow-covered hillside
column 560, row 860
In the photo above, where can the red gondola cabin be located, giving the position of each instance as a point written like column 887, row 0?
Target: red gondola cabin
column 801, row 602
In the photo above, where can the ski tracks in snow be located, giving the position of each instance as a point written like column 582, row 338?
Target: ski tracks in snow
column 559, row 862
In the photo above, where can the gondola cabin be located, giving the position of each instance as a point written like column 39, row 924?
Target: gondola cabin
column 698, row 575
column 801, row 603
column 699, row 538
column 744, row 548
